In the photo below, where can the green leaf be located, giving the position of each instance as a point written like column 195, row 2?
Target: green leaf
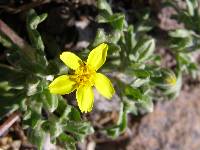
column 6, row 42
column 67, row 141
column 37, row 137
column 27, row 115
column 130, row 106
column 146, row 104
column 143, row 28
column 32, row 22
column 146, row 50
column 63, row 109
column 114, row 37
column 14, row 78
column 122, row 121
column 78, row 128
column 4, row 86
column 34, row 120
column 32, row 87
column 117, row 21
column 191, row 6
column 140, row 73
column 50, row 100
column 103, row 17
column 66, row 113
column 75, row 114
column 36, row 40
column 130, row 38
column 100, row 37
column 103, row 5
column 181, row 33
column 133, row 93
column 56, row 128
column 140, row 82
column 121, row 125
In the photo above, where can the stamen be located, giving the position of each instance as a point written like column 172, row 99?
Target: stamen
column 84, row 75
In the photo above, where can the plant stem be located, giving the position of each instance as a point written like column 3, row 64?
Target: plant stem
column 9, row 122
column 17, row 40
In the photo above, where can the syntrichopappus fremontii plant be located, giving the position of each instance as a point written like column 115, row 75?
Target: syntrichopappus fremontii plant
column 33, row 85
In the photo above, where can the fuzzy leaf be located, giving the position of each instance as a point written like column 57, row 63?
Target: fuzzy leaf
column 37, row 137
column 133, row 93
column 103, row 5
column 50, row 100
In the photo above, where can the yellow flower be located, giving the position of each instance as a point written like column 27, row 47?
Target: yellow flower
column 84, row 77
column 171, row 79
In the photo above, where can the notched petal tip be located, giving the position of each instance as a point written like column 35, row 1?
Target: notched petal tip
column 85, row 98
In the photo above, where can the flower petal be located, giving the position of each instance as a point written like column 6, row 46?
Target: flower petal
column 97, row 56
column 62, row 85
column 71, row 60
column 85, row 98
column 104, row 86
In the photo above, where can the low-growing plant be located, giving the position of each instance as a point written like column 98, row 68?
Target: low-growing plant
column 28, row 84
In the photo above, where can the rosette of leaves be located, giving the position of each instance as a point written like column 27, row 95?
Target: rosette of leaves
column 134, row 65
column 24, row 88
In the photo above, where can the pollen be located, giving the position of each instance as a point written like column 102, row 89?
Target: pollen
column 84, row 75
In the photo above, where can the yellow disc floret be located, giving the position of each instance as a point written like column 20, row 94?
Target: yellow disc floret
column 84, row 75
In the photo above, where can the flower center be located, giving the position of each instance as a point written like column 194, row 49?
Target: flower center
column 171, row 80
column 84, row 75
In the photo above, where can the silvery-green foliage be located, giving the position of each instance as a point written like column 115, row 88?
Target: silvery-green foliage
column 24, row 88
column 131, row 53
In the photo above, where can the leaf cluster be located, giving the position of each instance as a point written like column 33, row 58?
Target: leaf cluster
column 186, row 41
column 24, row 88
column 137, row 71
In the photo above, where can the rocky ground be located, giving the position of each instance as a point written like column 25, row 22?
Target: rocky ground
column 174, row 125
